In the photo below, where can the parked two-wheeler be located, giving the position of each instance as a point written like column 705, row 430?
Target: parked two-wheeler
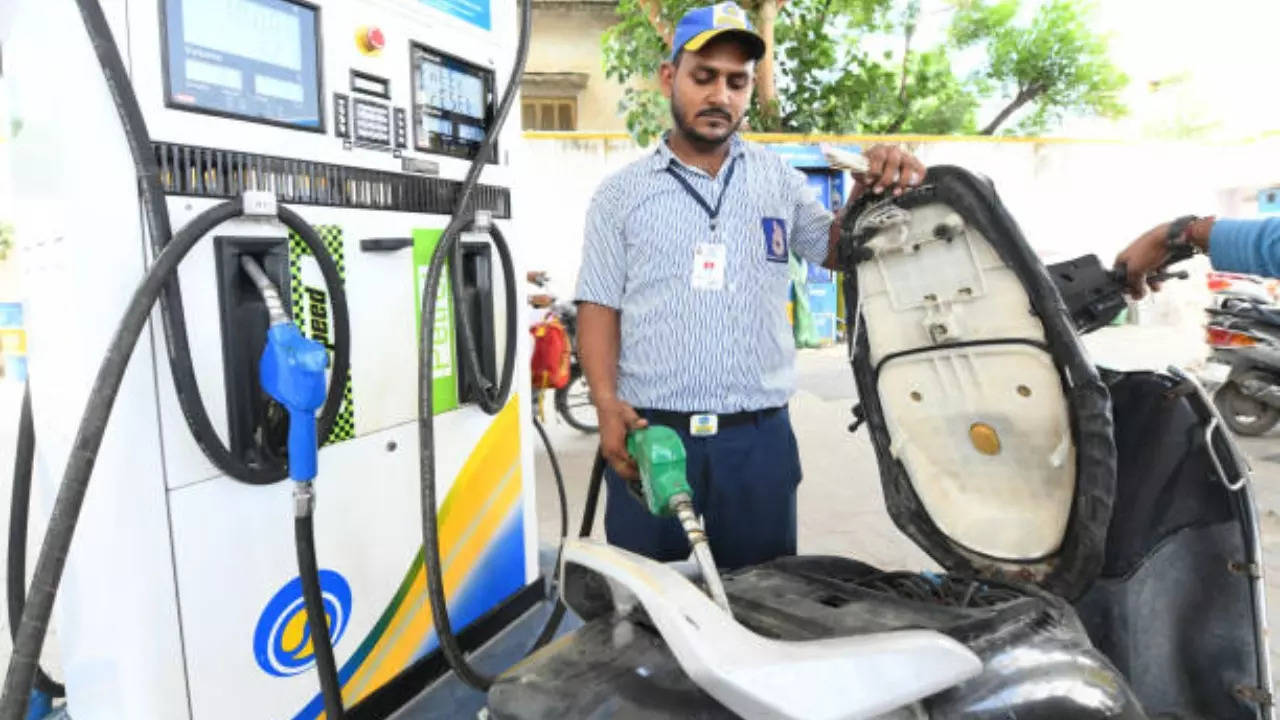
column 1244, row 335
column 573, row 401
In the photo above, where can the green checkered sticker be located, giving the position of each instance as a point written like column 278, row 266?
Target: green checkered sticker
column 311, row 311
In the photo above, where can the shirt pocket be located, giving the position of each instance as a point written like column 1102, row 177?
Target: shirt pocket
column 757, row 251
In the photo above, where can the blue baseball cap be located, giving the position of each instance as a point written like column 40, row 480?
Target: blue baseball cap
column 701, row 25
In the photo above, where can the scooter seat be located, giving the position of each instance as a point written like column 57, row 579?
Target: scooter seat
column 991, row 427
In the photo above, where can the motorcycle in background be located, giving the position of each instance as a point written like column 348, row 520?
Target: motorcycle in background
column 573, row 400
column 1244, row 337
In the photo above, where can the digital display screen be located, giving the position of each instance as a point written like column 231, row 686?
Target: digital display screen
column 452, row 103
column 252, row 59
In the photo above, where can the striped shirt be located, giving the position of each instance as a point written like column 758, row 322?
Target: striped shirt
column 687, row 348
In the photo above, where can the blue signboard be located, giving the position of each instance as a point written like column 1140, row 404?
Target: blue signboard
column 822, row 298
column 10, row 315
column 1269, row 201
column 475, row 12
column 824, row 327
column 808, row 155
column 816, row 273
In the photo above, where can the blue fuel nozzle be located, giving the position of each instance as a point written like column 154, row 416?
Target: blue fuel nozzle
column 40, row 706
column 292, row 371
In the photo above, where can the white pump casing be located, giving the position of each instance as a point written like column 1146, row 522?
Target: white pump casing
column 174, row 566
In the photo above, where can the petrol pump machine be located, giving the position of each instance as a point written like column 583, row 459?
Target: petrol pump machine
column 180, row 597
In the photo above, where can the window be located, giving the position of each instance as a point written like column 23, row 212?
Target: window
column 549, row 113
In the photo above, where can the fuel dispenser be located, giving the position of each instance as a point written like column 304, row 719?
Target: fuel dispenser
column 364, row 121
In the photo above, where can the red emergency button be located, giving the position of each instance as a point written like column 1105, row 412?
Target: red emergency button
column 370, row 39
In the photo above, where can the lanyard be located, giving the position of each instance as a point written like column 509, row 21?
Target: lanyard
column 712, row 212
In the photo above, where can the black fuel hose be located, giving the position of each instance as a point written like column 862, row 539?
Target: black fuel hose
column 171, row 313
column 19, row 508
column 557, row 613
column 555, row 472
column 492, row 398
column 317, row 618
column 93, row 423
column 304, row 537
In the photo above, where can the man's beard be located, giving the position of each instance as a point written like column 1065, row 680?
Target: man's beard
column 697, row 138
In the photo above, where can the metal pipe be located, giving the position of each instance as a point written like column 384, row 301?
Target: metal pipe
column 683, row 506
column 270, row 293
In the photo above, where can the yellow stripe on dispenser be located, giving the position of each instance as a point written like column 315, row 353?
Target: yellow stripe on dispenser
column 484, row 494
column 420, row 620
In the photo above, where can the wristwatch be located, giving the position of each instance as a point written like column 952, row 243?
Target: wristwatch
column 1176, row 241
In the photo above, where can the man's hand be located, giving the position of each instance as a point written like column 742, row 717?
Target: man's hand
column 616, row 420
column 1143, row 257
column 541, row 300
column 888, row 167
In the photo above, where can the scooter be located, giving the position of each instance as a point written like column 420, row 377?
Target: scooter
column 1245, row 339
column 1097, row 529
column 573, row 401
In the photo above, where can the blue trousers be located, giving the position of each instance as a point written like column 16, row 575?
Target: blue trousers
column 744, row 483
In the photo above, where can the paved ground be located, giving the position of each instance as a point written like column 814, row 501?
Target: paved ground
column 840, row 505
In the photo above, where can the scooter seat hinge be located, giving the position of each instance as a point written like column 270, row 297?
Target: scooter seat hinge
column 1256, row 695
column 1242, row 568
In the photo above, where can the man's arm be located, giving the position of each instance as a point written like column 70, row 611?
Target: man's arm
column 601, row 283
column 1245, row 246
column 599, row 340
column 816, row 232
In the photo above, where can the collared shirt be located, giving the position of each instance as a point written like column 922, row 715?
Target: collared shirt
column 685, row 348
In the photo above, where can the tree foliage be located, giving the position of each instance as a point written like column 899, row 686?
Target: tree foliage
column 6, row 240
column 862, row 66
column 1055, row 65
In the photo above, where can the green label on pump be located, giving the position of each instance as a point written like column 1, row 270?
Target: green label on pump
column 443, row 368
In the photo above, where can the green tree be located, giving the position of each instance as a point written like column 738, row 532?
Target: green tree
column 1055, row 64
column 858, row 66
column 6, row 240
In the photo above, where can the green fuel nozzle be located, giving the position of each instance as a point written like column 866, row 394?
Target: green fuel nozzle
column 664, row 484
column 659, row 453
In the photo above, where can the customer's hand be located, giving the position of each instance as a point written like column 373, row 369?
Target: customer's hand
column 616, row 420
column 1143, row 257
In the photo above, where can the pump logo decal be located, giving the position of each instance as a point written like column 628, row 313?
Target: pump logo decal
column 282, row 641
column 311, row 312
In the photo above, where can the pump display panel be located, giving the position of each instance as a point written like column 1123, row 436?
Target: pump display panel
column 256, row 60
column 452, row 104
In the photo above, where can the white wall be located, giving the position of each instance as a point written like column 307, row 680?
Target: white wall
column 1070, row 198
column 554, row 182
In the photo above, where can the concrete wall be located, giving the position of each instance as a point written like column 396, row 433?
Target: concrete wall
column 566, row 38
column 1069, row 198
